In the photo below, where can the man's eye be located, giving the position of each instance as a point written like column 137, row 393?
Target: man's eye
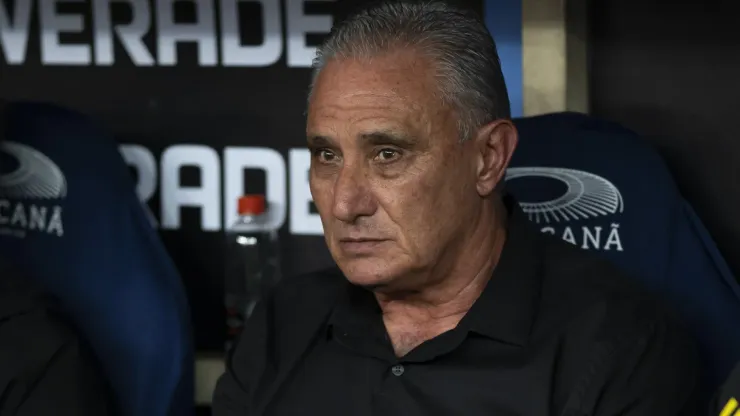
column 325, row 155
column 387, row 155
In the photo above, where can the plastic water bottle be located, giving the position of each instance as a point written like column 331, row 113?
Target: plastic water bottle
column 252, row 263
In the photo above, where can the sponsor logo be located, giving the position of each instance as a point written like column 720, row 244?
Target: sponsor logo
column 150, row 32
column 28, row 192
column 585, row 196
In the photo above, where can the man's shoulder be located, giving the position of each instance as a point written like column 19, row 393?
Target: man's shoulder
column 585, row 288
column 614, row 334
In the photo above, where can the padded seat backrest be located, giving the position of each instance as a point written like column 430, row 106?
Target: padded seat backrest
column 70, row 219
column 602, row 188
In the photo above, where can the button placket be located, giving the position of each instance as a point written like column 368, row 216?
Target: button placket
column 398, row 370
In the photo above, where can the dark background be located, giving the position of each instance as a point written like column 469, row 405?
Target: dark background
column 670, row 71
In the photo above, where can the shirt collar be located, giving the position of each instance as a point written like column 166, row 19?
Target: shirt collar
column 357, row 312
column 507, row 307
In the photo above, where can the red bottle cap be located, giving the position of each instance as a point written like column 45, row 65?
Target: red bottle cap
column 251, row 205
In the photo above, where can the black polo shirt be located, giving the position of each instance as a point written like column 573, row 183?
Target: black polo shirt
column 555, row 332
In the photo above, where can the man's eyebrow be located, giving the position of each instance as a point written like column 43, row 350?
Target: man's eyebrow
column 379, row 138
column 319, row 141
column 374, row 138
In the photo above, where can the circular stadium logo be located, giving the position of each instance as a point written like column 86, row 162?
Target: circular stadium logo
column 35, row 175
column 586, row 195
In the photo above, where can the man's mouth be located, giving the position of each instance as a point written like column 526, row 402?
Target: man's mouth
column 360, row 245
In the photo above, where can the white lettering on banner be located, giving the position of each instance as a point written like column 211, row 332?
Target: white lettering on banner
column 16, row 218
column 215, row 46
column 142, row 160
column 589, row 239
column 216, row 210
column 171, row 33
column 53, row 52
column 302, row 221
column 298, row 52
column 14, row 32
column 236, row 54
column 130, row 35
column 174, row 196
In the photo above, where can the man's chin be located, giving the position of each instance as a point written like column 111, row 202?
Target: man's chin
column 368, row 281
column 368, row 273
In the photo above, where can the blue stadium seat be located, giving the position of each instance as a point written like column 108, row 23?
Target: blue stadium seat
column 601, row 187
column 70, row 219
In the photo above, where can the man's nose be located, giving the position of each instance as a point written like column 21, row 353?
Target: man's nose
column 352, row 196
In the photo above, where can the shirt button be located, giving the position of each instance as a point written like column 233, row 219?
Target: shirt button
column 397, row 370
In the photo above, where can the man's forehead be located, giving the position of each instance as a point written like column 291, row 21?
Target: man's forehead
column 360, row 102
column 353, row 97
column 364, row 126
column 364, row 108
column 382, row 76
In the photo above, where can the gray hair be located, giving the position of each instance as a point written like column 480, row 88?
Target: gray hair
column 457, row 41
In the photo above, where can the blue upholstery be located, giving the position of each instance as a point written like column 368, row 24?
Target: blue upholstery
column 603, row 188
column 70, row 218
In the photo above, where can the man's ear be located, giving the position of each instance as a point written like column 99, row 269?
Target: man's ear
column 495, row 142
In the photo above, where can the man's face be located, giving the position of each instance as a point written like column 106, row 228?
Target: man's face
column 395, row 188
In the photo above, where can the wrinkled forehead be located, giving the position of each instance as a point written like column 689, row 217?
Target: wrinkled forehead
column 400, row 88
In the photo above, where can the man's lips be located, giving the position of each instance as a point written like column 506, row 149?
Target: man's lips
column 360, row 245
column 360, row 239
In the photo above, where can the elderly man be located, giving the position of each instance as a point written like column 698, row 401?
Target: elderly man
column 445, row 300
